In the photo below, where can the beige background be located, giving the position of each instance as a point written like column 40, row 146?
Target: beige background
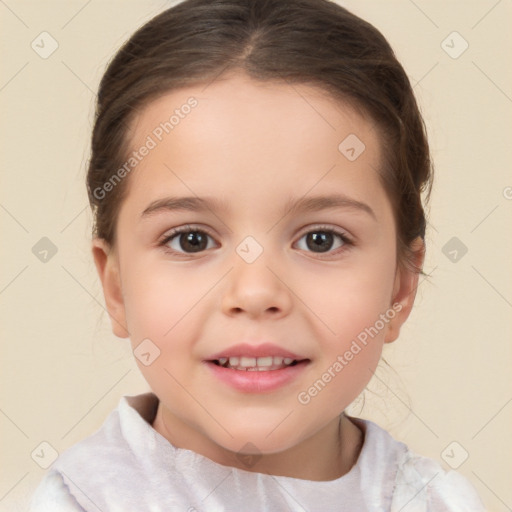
column 63, row 371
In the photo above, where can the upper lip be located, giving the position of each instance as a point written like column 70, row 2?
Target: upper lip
column 261, row 350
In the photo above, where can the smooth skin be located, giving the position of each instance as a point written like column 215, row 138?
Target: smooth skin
column 254, row 147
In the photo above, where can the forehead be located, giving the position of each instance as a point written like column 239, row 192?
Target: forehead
column 236, row 100
column 237, row 132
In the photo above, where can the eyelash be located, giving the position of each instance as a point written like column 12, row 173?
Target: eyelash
column 347, row 242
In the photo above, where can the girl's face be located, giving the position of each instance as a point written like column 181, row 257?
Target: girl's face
column 289, row 240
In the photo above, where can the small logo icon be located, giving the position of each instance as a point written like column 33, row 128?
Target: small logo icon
column 454, row 249
column 454, row 45
column 251, row 458
column 249, row 249
column 44, row 250
column 44, row 455
column 146, row 352
column 351, row 147
column 454, row 455
column 44, row 45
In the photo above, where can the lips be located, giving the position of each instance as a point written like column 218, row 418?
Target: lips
column 262, row 350
column 262, row 368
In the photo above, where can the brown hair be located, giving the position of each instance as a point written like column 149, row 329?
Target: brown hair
column 314, row 42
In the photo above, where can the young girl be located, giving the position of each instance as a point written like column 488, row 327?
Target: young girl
column 256, row 177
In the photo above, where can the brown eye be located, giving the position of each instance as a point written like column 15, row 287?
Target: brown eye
column 188, row 241
column 322, row 240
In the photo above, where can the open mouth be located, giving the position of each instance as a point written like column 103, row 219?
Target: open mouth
column 257, row 364
column 248, row 373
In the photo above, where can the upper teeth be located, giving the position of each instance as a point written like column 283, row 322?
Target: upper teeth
column 255, row 363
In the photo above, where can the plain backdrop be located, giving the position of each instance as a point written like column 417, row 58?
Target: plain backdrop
column 448, row 394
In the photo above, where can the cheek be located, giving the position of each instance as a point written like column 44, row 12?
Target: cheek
column 349, row 300
column 353, row 312
column 161, row 305
column 158, row 298
column 358, row 313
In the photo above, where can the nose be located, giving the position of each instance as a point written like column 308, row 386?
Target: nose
column 256, row 290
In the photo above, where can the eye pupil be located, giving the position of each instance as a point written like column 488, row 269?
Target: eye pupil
column 320, row 240
column 194, row 241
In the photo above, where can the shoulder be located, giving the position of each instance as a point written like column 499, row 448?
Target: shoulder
column 409, row 481
column 108, row 443
column 426, row 486
column 125, row 435
column 111, row 456
column 53, row 495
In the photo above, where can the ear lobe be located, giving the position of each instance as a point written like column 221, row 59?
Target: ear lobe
column 107, row 265
column 404, row 291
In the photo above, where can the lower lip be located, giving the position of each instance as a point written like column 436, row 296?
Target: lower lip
column 256, row 381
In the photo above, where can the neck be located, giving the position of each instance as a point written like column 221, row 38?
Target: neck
column 330, row 453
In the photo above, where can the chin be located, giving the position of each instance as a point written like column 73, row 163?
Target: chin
column 255, row 440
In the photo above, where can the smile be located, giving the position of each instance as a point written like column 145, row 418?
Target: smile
column 257, row 374
column 255, row 364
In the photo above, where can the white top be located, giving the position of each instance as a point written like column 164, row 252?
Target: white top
column 127, row 466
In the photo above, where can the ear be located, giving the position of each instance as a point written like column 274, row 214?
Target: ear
column 404, row 291
column 107, row 265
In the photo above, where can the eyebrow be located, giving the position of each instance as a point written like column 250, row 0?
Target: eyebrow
column 304, row 204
